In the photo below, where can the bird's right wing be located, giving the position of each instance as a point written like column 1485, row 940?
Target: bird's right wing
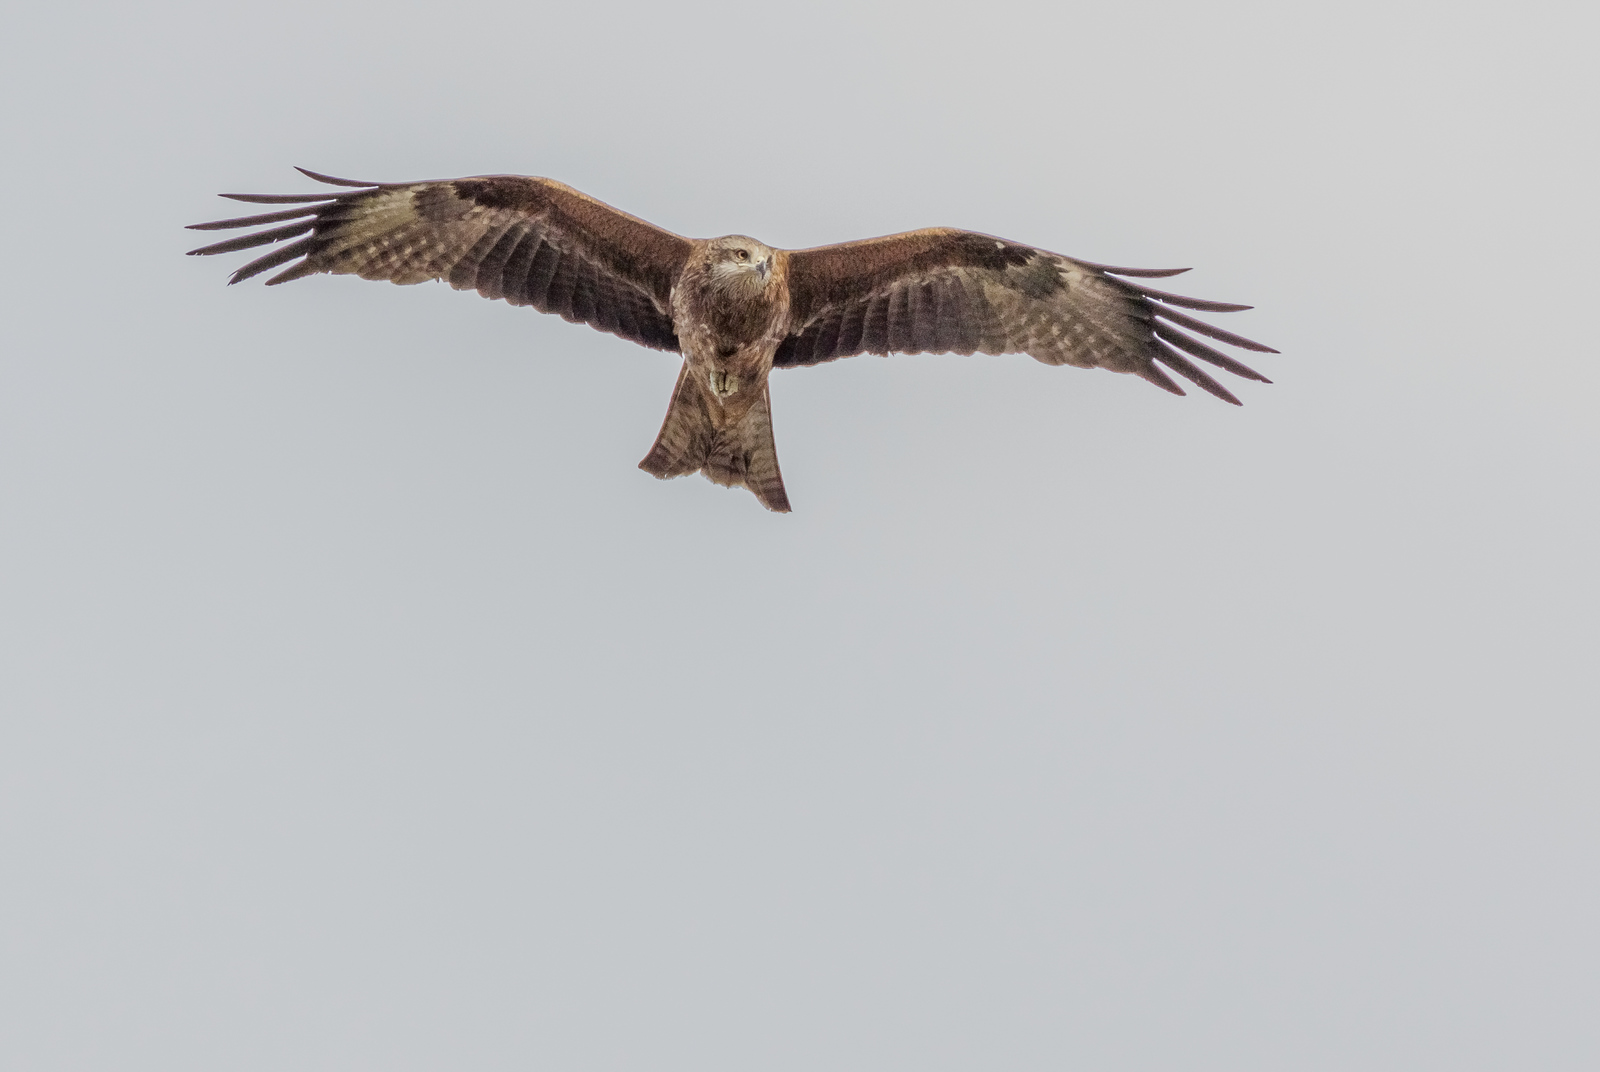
column 528, row 240
column 943, row 290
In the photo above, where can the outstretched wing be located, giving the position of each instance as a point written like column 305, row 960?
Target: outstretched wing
column 942, row 290
column 530, row 241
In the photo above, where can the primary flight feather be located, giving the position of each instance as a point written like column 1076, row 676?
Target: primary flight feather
column 734, row 307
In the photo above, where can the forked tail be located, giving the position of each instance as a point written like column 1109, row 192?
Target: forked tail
column 740, row 455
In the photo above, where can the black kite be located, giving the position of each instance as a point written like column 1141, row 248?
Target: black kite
column 733, row 307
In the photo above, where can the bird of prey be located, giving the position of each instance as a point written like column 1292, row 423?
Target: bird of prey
column 734, row 307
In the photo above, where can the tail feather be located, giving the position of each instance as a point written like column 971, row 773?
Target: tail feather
column 686, row 433
column 739, row 455
column 745, row 455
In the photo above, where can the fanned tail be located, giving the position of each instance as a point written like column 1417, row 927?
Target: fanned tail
column 740, row 455
column 745, row 455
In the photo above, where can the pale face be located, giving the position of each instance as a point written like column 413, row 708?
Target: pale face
column 739, row 261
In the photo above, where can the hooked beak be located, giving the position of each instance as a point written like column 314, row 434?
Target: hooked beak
column 765, row 268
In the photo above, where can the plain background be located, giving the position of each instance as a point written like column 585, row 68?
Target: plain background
column 364, row 707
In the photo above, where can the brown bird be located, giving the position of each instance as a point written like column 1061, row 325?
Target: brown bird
column 733, row 307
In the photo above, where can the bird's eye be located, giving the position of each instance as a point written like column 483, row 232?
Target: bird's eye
column 742, row 254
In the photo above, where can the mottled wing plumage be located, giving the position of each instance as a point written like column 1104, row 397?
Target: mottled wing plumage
column 530, row 241
column 942, row 290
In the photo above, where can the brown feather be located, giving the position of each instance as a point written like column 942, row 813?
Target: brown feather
column 281, row 255
column 331, row 181
column 250, row 241
column 1206, row 353
column 1154, row 375
column 1214, row 332
column 297, row 271
column 1189, row 303
column 1194, row 374
column 1142, row 273
column 279, row 199
column 253, row 221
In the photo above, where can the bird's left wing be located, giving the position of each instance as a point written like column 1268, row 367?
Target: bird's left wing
column 943, row 290
column 528, row 240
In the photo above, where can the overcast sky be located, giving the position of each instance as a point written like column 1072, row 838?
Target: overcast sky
column 364, row 707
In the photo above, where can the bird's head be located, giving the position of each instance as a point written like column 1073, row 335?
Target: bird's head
column 739, row 263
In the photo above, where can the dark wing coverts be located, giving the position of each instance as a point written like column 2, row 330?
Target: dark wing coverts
column 530, row 241
column 943, row 290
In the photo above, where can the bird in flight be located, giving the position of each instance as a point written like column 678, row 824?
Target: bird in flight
column 734, row 307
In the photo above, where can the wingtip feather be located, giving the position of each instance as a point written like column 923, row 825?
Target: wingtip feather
column 293, row 272
column 280, row 199
column 1151, row 374
column 281, row 255
column 1194, row 374
column 1189, row 303
column 1195, row 348
column 1212, row 331
column 332, row 180
column 259, row 238
column 1140, row 273
column 253, row 221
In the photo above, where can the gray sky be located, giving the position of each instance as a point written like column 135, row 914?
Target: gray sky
column 364, row 707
